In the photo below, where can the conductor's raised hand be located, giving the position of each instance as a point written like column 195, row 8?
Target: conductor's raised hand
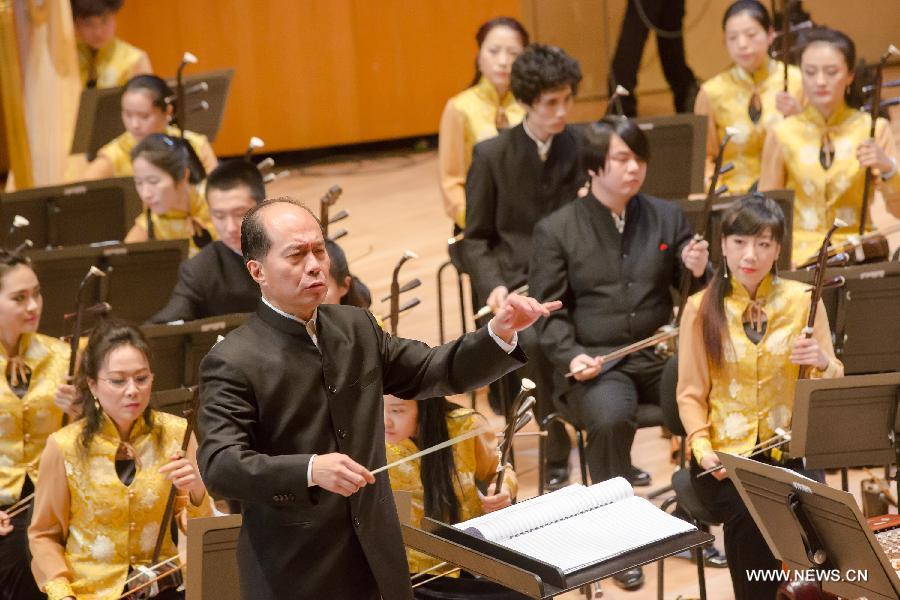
column 518, row 313
column 340, row 474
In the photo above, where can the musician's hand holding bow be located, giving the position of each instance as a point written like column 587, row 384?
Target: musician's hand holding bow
column 786, row 104
column 6, row 526
column 340, row 474
column 184, row 474
column 695, row 256
column 709, row 461
column 806, row 351
column 66, row 398
column 496, row 501
column 497, row 297
column 584, row 367
column 518, row 313
column 870, row 155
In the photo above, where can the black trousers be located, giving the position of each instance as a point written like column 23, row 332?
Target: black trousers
column 745, row 545
column 16, row 580
column 606, row 407
column 666, row 15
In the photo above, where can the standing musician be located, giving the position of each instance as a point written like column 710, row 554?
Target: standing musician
column 105, row 479
column 749, row 96
column 146, row 109
column 823, row 152
column 739, row 351
column 445, row 485
column 612, row 257
column 289, row 417
column 33, row 396
column 162, row 178
column 479, row 112
column 104, row 60
column 516, row 178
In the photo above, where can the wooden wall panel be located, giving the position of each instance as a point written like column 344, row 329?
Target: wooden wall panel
column 313, row 73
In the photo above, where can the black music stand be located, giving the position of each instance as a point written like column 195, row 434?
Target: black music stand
column 173, row 401
column 212, row 558
column 178, row 349
column 100, row 111
column 140, row 278
column 866, row 337
column 846, row 422
column 524, row 574
column 799, row 517
column 71, row 214
column 677, row 155
column 693, row 210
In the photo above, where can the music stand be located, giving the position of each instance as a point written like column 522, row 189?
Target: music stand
column 173, row 401
column 693, row 210
column 212, row 558
column 863, row 342
column 100, row 111
column 524, row 574
column 178, row 349
column 677, row 154
column 854, row 420
column 798, row 517
column 140, row 278
column 72, row 214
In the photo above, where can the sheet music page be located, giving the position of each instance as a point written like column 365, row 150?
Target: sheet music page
column 542, row 510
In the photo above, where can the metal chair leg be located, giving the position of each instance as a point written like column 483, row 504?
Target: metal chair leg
column 440, row 300
column 582, row 461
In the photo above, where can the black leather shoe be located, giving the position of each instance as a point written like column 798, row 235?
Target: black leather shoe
column 556, row 477
column 639, row 478
column 632, row 579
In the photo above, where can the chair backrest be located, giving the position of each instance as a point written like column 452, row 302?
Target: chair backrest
column 668, row 383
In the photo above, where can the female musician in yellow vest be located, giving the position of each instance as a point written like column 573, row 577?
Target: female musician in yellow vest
column 822, row 152
column 749, row 96
column 177, row 210
column 105, row 61
column 146, row 109
column 739, row 351
column 106, row 478
column 478, row 112
column 34, row 371
column 444, row 485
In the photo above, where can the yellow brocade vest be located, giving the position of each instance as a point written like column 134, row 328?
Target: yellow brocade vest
column 179, row 225
column 407, row 477
column 118, row 151
column 729, row 95
column 26, row 423
column 820, row 195
column 752, row 393
column 113, row 526
column 479, row 105
column 115, row 63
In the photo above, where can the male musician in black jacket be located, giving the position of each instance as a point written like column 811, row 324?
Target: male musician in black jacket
column 514, row 180
column 215, row 281
column 291, row 418
column 612, row 257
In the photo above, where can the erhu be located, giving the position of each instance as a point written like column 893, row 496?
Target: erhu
column 396, row 289
column 80, row 312
column 518, row 412
column 325, row 204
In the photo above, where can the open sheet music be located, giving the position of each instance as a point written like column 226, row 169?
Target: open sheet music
column 578, row 526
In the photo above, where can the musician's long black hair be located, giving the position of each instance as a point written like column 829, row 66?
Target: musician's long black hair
column 749, row 215
column 438, row 470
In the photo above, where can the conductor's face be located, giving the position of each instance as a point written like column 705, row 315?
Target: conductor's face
column 292, row 274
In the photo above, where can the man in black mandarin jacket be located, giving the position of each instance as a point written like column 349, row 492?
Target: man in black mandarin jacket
column 291, row 418
column 215, row 281
column 515, row 179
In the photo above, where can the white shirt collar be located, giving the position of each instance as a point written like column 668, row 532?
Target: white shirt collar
column 543, row 148
column 309, row 325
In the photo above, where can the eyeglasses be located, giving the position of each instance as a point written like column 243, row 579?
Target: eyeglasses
column 120, row 383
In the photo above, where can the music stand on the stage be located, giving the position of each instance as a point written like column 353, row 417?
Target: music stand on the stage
column 100, row 112
column 813, row 528
column 67, row 215
column 212, row 558
column 846, row 422
column 172, row 401
column 178, row 349
column 677, row 155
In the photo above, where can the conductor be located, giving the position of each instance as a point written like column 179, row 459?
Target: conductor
column 291, row 417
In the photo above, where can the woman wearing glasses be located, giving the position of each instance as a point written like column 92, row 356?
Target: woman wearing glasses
column 749, row 96
column 106, row 478
column 822, row 153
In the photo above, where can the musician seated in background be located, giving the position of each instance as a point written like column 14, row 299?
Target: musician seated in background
column 104, row 60
column 749, row 96
column 516, row 178
column 105, row 479
column 147, row 108
column 740, row 346
column 612, row 257
column 445, row 485
column 34, row 368
column 822, row 153
column 177, row 210
column 344, row 287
